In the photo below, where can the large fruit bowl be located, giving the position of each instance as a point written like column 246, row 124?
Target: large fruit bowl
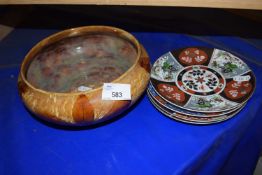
column 61, row 78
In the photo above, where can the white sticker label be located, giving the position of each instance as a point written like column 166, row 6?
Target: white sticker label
column 83, row 88
column 242, row 78
column 115, row 91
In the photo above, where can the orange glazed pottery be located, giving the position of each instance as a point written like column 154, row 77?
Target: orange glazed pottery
column 61, row 78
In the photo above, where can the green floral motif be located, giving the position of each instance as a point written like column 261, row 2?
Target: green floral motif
column 202, row 103
column 229, row 67
column 223, row 54
column 166, row 66
column 206, row 105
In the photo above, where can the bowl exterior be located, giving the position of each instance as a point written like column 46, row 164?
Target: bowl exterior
column 85, row 108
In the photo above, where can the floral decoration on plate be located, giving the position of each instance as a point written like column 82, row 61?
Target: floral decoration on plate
column 153, row 94
column 189, row 118
column 202, row 79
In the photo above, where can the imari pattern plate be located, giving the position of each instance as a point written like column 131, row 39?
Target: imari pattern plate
column 192, row 119
column 202, row 80
column 154, row 95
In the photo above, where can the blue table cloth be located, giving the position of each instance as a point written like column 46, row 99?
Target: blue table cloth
column 140, row 141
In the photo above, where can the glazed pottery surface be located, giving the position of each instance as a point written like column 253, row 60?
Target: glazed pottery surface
column 199, row 79
column 200, row 85
column 61, row 78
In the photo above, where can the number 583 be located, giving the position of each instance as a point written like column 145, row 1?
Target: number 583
column 117, row 94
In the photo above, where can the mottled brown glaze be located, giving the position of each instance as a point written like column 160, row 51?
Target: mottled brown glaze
column 21, row 86
column 145, row 61
column 87, row 60
column 83, row 108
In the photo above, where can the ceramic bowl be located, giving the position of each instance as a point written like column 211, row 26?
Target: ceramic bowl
column 61, row 78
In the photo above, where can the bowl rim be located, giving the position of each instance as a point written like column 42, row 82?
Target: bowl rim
column 71, row 32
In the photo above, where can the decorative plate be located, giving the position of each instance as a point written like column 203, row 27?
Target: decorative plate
column 202, row 79
column 153, row 94
column 192, row 119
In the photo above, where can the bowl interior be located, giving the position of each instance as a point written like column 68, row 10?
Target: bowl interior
column 80, row 63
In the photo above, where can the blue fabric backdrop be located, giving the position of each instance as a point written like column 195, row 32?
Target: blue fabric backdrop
column 142, row 140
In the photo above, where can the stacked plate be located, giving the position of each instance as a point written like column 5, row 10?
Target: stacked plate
column 200, row 85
